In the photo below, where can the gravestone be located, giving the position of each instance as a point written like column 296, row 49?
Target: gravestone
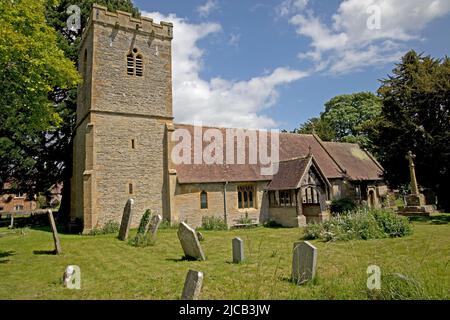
column 238, row 250
column 126, row 220
column 192, row 285
column 58, row 249
column 11, row 226
column 189, row 242
column 304, row 262
column 154, row 224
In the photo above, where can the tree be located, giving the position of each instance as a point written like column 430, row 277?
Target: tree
column 37, row 127
column 31, row 66
column 416, row 116
column 316, row 125
column 347, row 118
column 352, row 115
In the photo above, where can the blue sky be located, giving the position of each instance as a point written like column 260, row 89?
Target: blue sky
column 273, row 64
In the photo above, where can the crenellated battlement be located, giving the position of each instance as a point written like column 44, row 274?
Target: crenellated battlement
column 124, row 20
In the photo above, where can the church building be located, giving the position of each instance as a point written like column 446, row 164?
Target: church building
column 124, row 144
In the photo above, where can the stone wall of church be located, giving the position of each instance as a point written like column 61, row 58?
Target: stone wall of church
column 187, row 203
column 118, row 165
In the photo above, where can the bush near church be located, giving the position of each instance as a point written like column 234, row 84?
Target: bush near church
column 360, row 224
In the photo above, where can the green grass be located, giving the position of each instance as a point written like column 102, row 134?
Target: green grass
column 112, row 269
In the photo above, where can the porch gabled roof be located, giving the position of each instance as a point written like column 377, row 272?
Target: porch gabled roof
column 291, row 173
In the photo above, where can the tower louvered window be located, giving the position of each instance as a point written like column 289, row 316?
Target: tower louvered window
column 139, row 65
column 135, row 64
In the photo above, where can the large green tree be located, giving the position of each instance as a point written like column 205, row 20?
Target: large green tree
column 38, row 93
column 347, row 118
column 416, row 116
column 31, row 66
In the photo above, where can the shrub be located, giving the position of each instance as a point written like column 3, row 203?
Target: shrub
column 392, row 224
column 165, row 224
column 342, row 205
column 110, row 227
column 142, row 240
column 213, row 223
column 272, row 224
column 361, row 224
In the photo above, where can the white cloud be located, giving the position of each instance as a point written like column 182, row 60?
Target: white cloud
column 234, row 39
column 347, row 44
column 288, row 7
column 205, row 9
column 218, row 101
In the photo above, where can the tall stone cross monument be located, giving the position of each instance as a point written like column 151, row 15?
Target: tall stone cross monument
column 415, row 202
column 412, row 172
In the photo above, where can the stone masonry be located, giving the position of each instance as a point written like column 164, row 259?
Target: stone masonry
column 121, row 119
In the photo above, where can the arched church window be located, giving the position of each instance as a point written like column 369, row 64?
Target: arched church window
column 139, row 65
column 203, row 200
column 135, row 63
column 130, row 64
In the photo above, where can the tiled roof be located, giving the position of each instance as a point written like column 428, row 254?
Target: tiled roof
column 358, row 163
column 330, row 157
column 290, row 173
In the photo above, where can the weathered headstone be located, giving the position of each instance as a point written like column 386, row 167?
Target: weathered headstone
column 192, row 285
column 154, row 224
column 58, row 249
column 189, row 242
column 238, row 250
column 304, row 262
column 126, row 220
column 11, row 226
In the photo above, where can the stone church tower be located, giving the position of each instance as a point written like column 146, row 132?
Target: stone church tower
column 124, row 114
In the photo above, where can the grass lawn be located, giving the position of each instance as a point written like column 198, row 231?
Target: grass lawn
column 112, row 269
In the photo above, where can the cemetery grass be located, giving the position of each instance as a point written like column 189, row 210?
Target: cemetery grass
column 112, row 269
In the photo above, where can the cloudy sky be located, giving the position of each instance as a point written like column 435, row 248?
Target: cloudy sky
column 274, row 63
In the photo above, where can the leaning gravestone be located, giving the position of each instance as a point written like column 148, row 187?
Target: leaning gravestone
column 58, row 249
column 126, row 220
column 192, row 285
column 304, row 262
column 238, row 250
column 11, row 226
column 154, row 224
column 189, row 242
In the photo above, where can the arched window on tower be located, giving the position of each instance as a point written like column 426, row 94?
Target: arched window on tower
column 135, row 63
column 130, row 64
column 139, row 65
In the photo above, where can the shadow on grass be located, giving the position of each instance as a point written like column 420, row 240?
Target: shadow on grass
column 185, row 258
column 44, row 252
column 435, row 219
column 6, row 254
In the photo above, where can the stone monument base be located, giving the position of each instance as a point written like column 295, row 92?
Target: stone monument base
column 424, row 211
column 415, row 200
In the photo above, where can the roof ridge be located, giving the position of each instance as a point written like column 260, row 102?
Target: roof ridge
column 296, row 158
column 321, row 143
